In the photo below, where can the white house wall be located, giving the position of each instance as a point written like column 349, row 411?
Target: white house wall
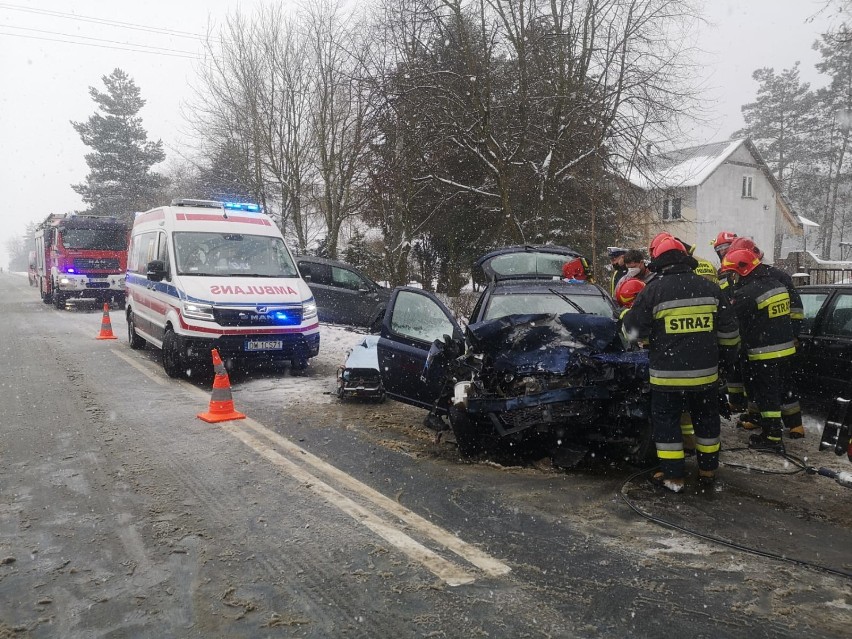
column 721, row 206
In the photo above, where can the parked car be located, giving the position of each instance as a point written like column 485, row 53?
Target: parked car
column 541, row 359
column 344, row 295
column 825, row 341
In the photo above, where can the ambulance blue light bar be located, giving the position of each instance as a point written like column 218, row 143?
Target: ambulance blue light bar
column 242, row 206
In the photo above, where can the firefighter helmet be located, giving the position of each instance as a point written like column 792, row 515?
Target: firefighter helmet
column 663, row 243
column 745, row 243
column 627, row 290
column 722, row 243
column 741, row 261
column 576, row 269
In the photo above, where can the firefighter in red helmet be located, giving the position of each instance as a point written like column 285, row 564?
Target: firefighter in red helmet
column 791, row 411
column 762, row 306
column 627, row 290
column 688, row 324
column 576, row 270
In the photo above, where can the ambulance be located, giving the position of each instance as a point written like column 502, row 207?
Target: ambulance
column 203, row 274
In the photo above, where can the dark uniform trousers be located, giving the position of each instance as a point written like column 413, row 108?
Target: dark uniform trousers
column 703, row 406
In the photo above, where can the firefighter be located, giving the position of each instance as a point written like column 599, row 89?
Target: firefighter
column 734, row 384
column 627, row 290
column 576, row 271
column 625, row 295
column 762, row 305
column 791, row 410
column 689, row 324
column 616, row 262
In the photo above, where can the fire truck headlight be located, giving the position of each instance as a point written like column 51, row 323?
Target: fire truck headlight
column 194, row 310
column 309, row 310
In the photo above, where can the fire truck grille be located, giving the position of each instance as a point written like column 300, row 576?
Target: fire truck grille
column 255, row 317
column 96, row 263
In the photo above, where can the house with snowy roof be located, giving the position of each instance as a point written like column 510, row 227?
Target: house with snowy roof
column 696, row 192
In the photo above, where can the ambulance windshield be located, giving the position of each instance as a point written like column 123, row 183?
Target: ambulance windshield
column 232, row 254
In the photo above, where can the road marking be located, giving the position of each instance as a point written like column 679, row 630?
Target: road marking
column 489, row 565
column 453, row 575
column 153, row 376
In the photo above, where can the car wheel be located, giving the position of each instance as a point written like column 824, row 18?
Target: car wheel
column 471, row 438
column 47, row 298
column 59, row 300
column 136, row 342
column 172, row 356
column 298, row 366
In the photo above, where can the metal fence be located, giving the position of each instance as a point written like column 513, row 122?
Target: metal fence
column 830, row 275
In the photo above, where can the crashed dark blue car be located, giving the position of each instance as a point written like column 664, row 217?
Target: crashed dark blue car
column 542, row 359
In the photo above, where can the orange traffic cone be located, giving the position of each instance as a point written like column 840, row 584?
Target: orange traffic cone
column 106, row 325
column 221, row 403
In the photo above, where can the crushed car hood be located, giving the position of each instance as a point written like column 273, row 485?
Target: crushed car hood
column 542, row 343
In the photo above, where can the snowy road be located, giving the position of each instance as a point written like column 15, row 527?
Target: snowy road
column 122, row 514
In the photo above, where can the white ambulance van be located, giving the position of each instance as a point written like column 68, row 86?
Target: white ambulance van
column 204, row 274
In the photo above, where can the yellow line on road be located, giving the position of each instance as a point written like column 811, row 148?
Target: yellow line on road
column 445, row 570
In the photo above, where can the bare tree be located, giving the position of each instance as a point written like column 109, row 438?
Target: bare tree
column 340, row 105
column 547, row 97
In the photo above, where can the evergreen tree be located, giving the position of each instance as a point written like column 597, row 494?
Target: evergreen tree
column 777, row 121
column 120, row 180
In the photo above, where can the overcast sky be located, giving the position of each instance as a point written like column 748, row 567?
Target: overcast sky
column 45, row 78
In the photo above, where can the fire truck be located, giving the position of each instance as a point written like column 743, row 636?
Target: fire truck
column 81, row 257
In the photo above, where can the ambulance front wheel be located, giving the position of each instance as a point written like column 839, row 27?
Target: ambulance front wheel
column 136, row 342
column 172, row 355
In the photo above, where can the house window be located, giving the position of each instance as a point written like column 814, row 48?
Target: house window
column 747, row 179
column 671, row 208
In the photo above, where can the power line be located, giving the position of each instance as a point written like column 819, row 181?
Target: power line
column 72, row 35
column 100, row 46
column 102, row 21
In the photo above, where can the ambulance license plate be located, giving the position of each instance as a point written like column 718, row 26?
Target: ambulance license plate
column 264, row 344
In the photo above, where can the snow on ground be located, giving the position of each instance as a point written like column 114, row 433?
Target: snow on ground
column 319, row 382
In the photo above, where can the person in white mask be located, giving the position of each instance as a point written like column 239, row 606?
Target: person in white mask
column 634, row 260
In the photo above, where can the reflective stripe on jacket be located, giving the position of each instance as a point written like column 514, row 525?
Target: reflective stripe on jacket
column 687, row 320
column 763, row 307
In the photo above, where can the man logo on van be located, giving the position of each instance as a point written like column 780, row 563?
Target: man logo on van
column 252, row 290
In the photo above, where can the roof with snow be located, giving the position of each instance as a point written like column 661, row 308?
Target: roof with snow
column 693, row 165
column 683, row 167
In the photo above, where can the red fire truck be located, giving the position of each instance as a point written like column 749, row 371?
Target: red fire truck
column 81, row 257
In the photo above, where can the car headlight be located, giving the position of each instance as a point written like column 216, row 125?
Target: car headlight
column 309, row 310
column 64, row 280
column 193, row 310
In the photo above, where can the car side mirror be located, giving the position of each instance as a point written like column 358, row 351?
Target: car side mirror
column 156, row 270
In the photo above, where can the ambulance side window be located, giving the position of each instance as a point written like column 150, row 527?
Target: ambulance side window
column 163, row 255
column 142, row 251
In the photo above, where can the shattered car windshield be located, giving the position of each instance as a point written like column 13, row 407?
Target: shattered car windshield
column 530, row 303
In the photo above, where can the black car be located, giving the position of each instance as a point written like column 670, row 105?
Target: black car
column 825, row 341
column 343, row 294
column 541, row 359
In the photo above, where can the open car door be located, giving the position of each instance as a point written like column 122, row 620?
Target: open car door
column 413, row 320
